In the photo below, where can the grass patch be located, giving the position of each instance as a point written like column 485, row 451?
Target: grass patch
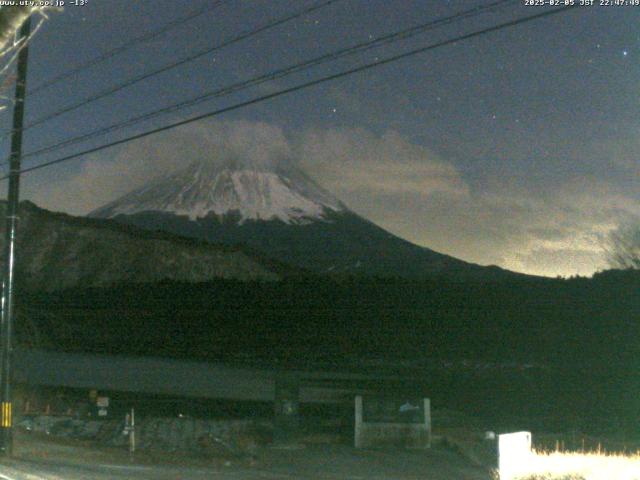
column 578, row 466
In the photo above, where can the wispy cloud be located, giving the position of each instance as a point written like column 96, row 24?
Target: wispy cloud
column 351, row 160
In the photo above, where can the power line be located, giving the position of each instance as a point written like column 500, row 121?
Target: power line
column 302, row 86
column 127, row 46
column 229, row 89
column 190, row 58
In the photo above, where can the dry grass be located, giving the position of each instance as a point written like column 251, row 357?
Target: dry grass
column 578, row 466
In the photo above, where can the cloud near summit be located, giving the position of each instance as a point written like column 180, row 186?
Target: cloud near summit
column 347, row 160
column 352, row 160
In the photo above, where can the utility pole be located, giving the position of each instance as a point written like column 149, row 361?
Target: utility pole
column 13, row 196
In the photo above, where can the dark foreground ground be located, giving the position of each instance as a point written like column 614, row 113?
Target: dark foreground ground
column 38, row 458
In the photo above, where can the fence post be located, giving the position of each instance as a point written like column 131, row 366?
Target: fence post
column 132, row 432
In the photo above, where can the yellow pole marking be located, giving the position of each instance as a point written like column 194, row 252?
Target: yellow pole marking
column 6, row 415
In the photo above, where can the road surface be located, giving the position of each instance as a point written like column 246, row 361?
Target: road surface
column 320, row 462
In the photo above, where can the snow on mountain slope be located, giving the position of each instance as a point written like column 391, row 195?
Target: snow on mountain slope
column 205, row 189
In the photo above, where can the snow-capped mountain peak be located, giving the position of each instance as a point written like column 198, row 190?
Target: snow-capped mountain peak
column 205, row 189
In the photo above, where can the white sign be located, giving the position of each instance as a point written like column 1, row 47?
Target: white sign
column 514, row 454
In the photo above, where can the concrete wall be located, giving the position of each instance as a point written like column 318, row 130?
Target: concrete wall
column 378, row 434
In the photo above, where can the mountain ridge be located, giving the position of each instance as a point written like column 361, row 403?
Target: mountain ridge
column 58, row 251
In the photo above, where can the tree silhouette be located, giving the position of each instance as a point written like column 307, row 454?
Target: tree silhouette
column 623, row 247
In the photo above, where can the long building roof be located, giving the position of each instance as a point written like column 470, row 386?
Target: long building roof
column 152, row 375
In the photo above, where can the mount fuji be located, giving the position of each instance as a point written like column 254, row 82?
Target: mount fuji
column 206, row 190
column 281, row 212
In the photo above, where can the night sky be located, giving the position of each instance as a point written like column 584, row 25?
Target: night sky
column 517, row 148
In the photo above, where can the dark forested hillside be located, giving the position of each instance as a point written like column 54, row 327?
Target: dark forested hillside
column 525, row 319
